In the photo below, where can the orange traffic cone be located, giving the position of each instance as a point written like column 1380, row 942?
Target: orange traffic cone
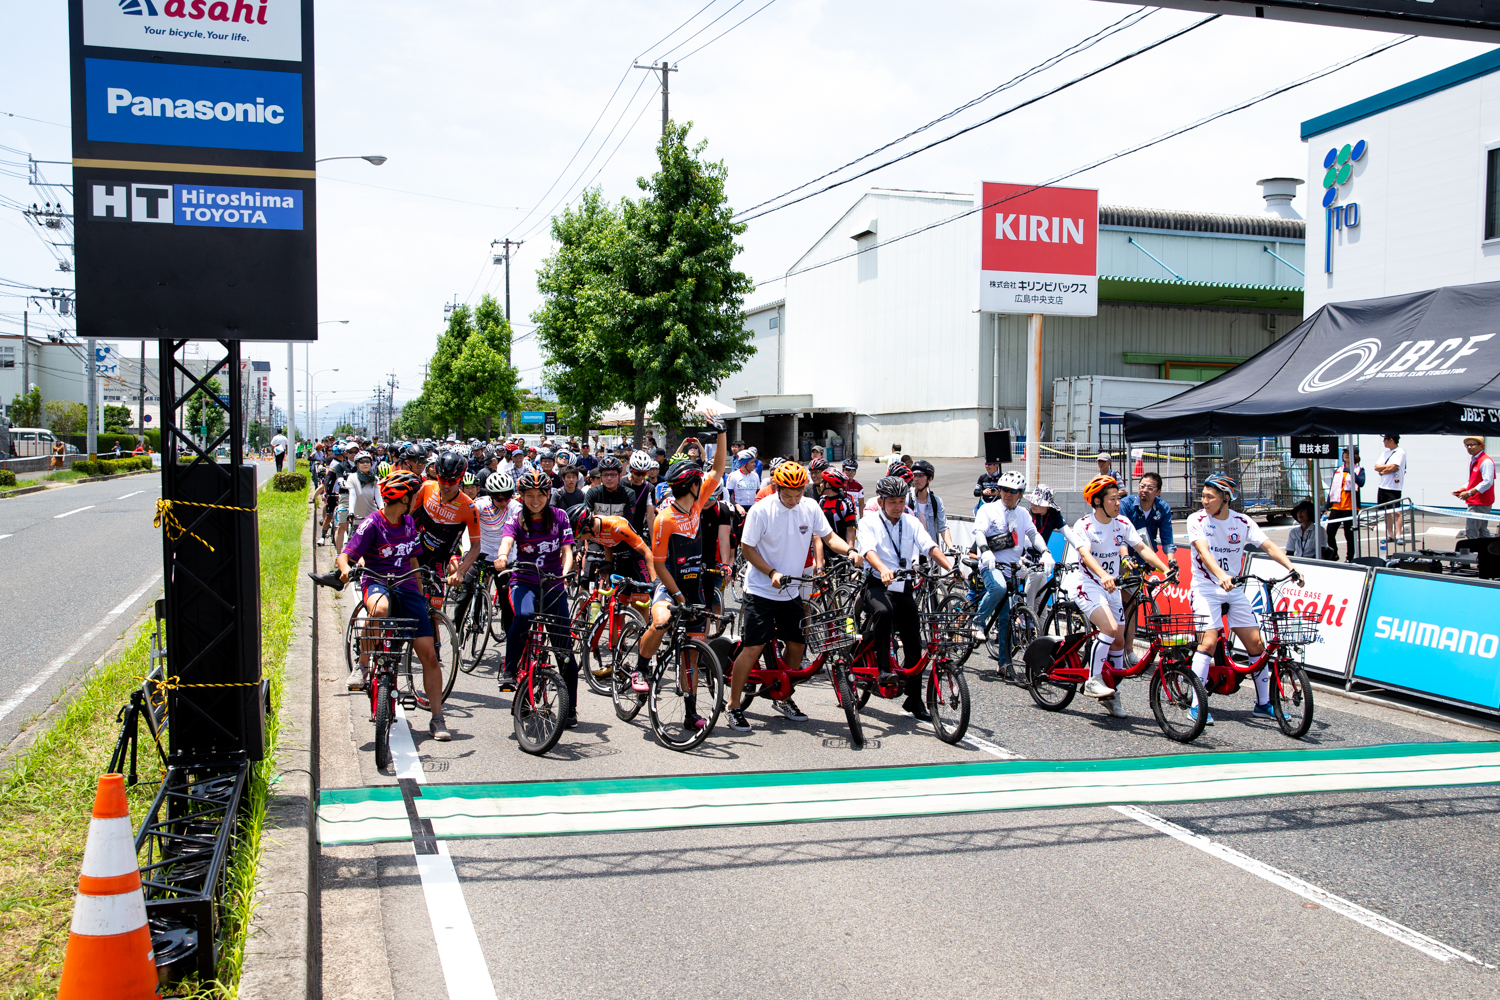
column 109, row 945
column 1140, row 465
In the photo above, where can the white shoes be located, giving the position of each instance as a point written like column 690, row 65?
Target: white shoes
column 1096, row 688
column 356, row 680
column 1116, row 705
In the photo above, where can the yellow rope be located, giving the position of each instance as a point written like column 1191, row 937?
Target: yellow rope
column 166, row 520
column 173, row 683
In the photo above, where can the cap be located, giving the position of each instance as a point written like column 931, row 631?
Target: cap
column 1105, row 456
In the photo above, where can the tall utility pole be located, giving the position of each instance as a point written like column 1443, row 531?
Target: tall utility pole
column 91, row 370
column 291, row 410
column 504, row 258
column 663, row 69
column 390, row 404
column 140, row 399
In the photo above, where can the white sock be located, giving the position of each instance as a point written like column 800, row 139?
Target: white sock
column 1262, row 680
column 1096, row 664
column 1201, row 664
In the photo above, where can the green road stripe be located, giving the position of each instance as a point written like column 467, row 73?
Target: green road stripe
column 542, row 808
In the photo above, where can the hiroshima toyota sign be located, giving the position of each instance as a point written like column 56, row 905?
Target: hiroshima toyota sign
column 1039, row 250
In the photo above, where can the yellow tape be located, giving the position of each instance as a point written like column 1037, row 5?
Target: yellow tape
column 167, row 521
column 174, row 684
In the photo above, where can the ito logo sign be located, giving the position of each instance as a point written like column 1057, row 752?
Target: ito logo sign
column 1338, row 166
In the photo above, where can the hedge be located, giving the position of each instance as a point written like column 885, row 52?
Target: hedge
column 107, row 467
column 7, row 477
column 290, row 482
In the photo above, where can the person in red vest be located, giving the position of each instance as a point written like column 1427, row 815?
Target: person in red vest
column 1480, row 493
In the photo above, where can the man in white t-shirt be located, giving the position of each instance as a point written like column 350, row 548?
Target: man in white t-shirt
column 278, row 446
column 1095, row 540
column 1392, row 472
column 1218, row 536
column 777, row 536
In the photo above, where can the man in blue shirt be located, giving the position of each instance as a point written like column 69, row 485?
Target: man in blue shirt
column 1151, row 514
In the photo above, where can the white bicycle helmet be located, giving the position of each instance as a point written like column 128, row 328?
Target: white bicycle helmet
column 1012, row 480
column 500, row 482
column 641, row 462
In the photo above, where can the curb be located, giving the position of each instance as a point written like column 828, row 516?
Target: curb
column 117, row 475
column 280, row 958
column 22, row 491
column 1427, row 713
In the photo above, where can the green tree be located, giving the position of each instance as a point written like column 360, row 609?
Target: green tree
column 488, row 381
column 118, row 419
column 64, row 416
column 26, row 409
column 204, row 414
column 344, row 429
column 470, row 379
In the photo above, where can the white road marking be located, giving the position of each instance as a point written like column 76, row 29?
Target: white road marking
column 464, row 968
column 14, row 701
column 1398, row 932
column 89, row 507
column 129, row 495
column 6, row 536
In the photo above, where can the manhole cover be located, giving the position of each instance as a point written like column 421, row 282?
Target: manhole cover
column 431, row 766
column 838, row 744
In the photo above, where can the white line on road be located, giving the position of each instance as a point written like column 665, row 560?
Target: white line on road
column 89, row 507
column 14, row 701
column 464, row 968
column 1399, row 932
column 129, row 495
column 5, row 536
column 1291, row 883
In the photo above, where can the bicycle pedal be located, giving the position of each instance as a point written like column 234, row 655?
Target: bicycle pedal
column 409, row 702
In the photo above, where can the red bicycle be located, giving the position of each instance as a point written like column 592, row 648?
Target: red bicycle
column 600, row 619
column 540, row 705
column 1284, row 632
column 770, row 677
column 1055, row 666
column 856, row 666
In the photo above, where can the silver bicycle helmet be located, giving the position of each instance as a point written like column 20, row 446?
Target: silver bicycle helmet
column 499, row 482
column 641, row 462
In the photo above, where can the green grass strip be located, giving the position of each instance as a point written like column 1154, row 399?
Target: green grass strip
column 47, row 793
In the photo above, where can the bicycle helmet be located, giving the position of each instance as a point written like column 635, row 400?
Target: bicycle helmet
column 1227, row 487
column 535, row 481
column 363, row 456
column 609, row 464
column 851, row 464
column 1012, row 480
column 383, row 469
column 1042, row 496
column 776, row 462
column 580, row 517
column 663, row 493
column 639, row 462
column 450, row 466
column 835, row 479
column 789, row 476
column 398, row 486
column 469, row 479
column 413, row 453
column 500, row 482
column 817, row 465
column 925, row 468
column 744, row 457
column 900, row 471
column 891, row 486
column 683, row 471
column 1096, row 487
column 338, row 448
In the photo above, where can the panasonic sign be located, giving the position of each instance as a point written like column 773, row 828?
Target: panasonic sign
column 172, row 105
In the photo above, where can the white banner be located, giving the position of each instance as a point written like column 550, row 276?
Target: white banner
column 1335, row 591
column 1030, row 292
column 252, row 29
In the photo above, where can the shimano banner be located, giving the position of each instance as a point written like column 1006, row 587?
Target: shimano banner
column 1422, row 363
column 1432, row 635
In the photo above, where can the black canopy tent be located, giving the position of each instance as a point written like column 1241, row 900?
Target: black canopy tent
column 1422, row 363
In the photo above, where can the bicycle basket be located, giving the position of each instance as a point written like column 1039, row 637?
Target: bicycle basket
column 395, row 630
column 1175, row 630
column 553, row 634
column 1294, row 628
column 949, row 631
column 830, row 631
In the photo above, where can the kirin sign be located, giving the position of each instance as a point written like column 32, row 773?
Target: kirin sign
column 1039, row 250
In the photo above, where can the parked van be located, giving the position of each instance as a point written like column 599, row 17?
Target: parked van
column 31, row 442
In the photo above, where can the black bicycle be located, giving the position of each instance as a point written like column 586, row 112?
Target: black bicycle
column 686, row 682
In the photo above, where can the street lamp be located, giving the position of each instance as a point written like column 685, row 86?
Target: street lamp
column 309, row 399
column 307, row 358
column 375, row 160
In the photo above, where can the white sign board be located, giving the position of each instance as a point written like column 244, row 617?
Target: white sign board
column 1334, row 591
column 252, row 29
column 1039, row 250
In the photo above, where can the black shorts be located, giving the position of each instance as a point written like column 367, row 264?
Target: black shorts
column 766, row 620
column 1386, row 496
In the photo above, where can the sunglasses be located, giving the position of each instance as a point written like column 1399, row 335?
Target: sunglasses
column 449, row 482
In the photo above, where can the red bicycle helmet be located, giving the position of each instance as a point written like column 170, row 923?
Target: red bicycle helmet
column 835, row 478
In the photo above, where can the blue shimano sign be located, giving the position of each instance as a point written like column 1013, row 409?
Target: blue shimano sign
column 1432, row 635
column 164, row 104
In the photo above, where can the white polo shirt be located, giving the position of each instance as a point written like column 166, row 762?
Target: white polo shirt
column 1393, row 456
column 783, row 536
column 897, row 545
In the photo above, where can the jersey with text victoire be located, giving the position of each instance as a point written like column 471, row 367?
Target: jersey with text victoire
column 443, row 521
column 676, row 538
column 1226, row 539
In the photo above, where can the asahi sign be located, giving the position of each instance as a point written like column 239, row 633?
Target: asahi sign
column 250, row 29
column 1039, row 250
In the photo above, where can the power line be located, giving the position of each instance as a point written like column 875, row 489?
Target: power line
column 726, row 31
column 43, row 121
column 987, row 121
column 700, row 31
column 1329, row 71
column 675, row 30
column 1072, row 50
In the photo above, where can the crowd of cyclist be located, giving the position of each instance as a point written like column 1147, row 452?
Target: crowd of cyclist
column 675, row 525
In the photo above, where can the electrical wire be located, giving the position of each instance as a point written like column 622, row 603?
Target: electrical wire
column 682, row 59
column 42, row 121
column 1312, row 78
column 987, row 121
column 1135, row 17
column 700, row 31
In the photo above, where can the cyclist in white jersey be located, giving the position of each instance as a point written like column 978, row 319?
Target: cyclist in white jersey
column 743, row 483
column 1218, row 536
column 1097, row 538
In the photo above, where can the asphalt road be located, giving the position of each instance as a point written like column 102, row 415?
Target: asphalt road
column 82, row 562
column 1084, row 902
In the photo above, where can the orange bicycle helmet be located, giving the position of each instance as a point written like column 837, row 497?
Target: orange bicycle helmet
column 1096, row 488
column 399, row 485
column 790, row 476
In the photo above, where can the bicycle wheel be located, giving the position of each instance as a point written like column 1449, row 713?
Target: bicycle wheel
column 385, row 712
column 539, row 709
column 669, row 697
column 496, row 623
column 1179, row 702
column 1022, row 632
column 627, row 701
column 843, row 689
column 351, row 641
column 737, row 581
column 948, row 701
column 600, row 655
column 476, row 631
column 1292, row 698
column 959, row 604
column 1054, row 696
column 1063, row 618
column 449, row 654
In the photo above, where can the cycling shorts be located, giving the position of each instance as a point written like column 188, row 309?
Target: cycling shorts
column 690, row 595
column 1207, row 602
column 1090, row 596
column 402, row 602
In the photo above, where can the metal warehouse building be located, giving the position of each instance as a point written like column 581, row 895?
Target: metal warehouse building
column 888, row 345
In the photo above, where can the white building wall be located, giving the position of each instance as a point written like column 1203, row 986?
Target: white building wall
column 761, row 375
column 893, row 335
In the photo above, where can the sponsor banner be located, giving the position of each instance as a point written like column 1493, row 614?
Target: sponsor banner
column 1433, row 635
column 1039, row 250
column 251, row 29
column 164, row 104
column 1333, row 591
column 195, row 205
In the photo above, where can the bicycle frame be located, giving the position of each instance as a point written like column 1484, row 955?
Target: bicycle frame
column 1226, row 675
column 1068, row 666
column 610, row 624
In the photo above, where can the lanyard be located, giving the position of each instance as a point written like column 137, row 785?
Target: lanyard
column 900, row 536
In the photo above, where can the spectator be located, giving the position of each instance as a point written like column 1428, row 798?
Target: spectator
column 1479, row 495
column 568, row 494
column 1147, row 510
column 58, row 451
column 1343, row 502
column 1104, row 460
column 894, row 456
column 585, row 461
column 278, row 446
column 1392, row 472
column 1306, row 539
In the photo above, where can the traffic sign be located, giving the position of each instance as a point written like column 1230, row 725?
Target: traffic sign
column 1314, row 447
